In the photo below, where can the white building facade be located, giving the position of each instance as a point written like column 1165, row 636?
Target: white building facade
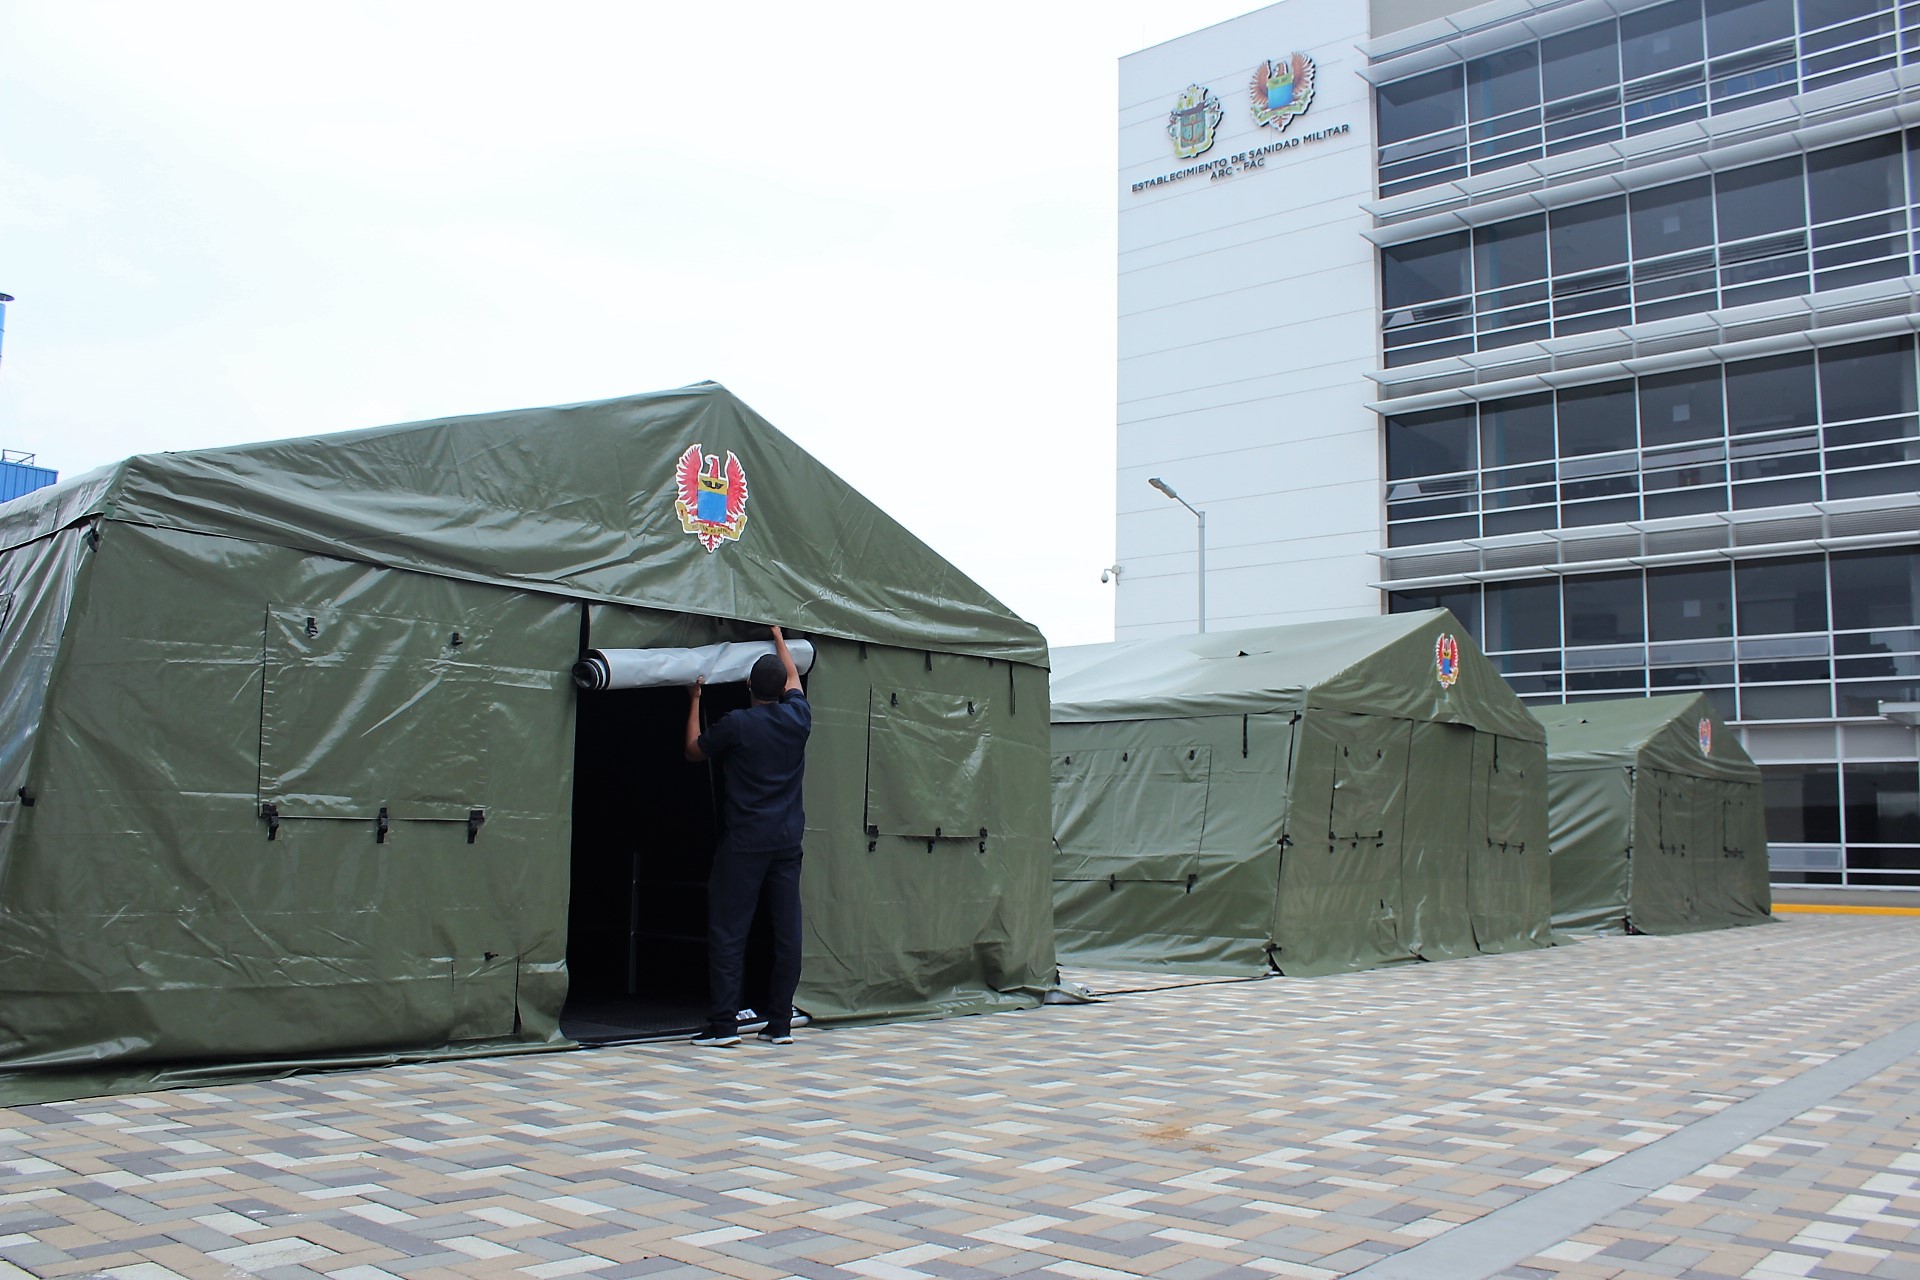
column 1592, row 320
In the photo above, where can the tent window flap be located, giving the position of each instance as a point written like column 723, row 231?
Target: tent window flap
column 362, row 714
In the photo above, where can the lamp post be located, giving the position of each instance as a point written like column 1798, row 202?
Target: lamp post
column 1201, row 516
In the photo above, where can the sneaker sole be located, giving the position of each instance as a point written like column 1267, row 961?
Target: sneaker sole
column 776, row 1039
column 718, row 1042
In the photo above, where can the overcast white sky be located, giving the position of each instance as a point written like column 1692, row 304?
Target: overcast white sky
column 888, row 227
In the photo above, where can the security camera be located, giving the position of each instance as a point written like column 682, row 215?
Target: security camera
column 1109, row 573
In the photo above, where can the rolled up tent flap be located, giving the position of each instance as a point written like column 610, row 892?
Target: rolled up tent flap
column 655, row 668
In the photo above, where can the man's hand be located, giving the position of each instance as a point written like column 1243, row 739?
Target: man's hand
column 693, row 691
column 786, row 659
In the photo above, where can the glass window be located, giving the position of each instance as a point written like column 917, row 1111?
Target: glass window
column 1859, row 178
column 1875, row 589
column 1463, row 602
column 1597, row 419
column 1510, row 253
column 1882, row 803
column 1519, row 430
column 1605, row 608
column 1429, row 444
column 1781, row 595
column 1421, row 105
column 1672, row 219
column 1677, row 407
column 1423, row 271
column 1503, row 82
column 1523, row 615
column 1690, row 603
column 1803, row 803
column 1660, row 38
column 1766, row 395
column 1867, row 380
column 1742, row 24
column 1815, row 14
column 1588, row 236
column 1761, row 199
column 1583, row 61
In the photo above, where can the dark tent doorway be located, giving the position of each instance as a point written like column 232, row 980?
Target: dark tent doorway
column 645, row 822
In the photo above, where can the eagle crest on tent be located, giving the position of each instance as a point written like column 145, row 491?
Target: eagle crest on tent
column 712, row 501
column 1446, row 659
column 1282, row 90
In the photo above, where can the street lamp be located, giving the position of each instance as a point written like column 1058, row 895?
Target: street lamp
column 1201, row 516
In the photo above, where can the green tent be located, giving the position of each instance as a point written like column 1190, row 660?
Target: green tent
column 1656, row 818
column 294, row 771
column 1309, row 799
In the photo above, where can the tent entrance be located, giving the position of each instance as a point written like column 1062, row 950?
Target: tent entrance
column 645, row 822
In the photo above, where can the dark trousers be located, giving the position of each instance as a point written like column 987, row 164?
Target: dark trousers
column 739, row 884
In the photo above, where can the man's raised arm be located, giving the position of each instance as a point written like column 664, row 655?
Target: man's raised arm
column 786, row 659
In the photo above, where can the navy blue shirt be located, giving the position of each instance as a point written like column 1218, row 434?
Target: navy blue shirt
column 764, row 749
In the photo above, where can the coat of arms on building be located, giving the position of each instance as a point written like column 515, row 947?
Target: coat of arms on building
column 1446, row 659
column 1282, row 90
column 1706, row 737
column 712, row 501
column 1196, row 113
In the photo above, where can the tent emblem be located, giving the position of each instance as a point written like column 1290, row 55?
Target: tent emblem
column 1446, row 659
column 1281, row 91
column 713, row 501
column 1706, row 737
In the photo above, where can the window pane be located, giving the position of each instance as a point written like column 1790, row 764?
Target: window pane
column 1605, row 609
column 1676, row 407
column 1692, row 603
column 1742, row 24
column 1516, row 431
column 1506, row 81
column 1671, row 219
column 1588, row 236
column 1463, row 602
column 1660, row 39
column 1423, row 271
column 1510, row 253
column 1781, row 595
column 1422, row 105
column 1597, row 419
column 1859, row 178
column 1883, row 803
column 1761, row 199
column 1765, row 395
column 1824, row 13
column 1867, row 379
column 1803, row 803
column 1875, row 589
column 1523, row 616
column 1580, row 61
column 1426, row 444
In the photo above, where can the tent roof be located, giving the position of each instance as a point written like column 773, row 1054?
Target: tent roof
column 577, row 500
column 1661, row 732
column 1383, row 665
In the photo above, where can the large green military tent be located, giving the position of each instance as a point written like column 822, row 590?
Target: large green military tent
column 295, row 773
column 1656, row 818
column 1308, row 799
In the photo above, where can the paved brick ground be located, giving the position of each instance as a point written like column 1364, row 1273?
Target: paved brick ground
column 1257, row 1129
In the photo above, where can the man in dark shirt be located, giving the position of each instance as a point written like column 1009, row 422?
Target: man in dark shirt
column 763, row 749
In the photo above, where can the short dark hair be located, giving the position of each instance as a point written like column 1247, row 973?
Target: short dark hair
column 769, row 678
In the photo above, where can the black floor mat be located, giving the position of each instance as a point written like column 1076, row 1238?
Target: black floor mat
column 612, row 1021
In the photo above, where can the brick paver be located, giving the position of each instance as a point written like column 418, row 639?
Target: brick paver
column 1264, row 1128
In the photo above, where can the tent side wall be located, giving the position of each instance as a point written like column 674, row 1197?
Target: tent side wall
column 1591, row 820
column 149, row 917
column 1699, row 859
column 1167, row 841
column 910, row 909
column 1410, row 840
column 37, row 585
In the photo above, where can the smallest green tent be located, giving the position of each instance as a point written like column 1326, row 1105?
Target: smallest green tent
column 1310, row 799
column 1656, row 817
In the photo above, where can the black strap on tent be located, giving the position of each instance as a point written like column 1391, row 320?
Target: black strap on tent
column 1243, row 737
column 381, row 825
column 271, row 812
column 475, row 818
